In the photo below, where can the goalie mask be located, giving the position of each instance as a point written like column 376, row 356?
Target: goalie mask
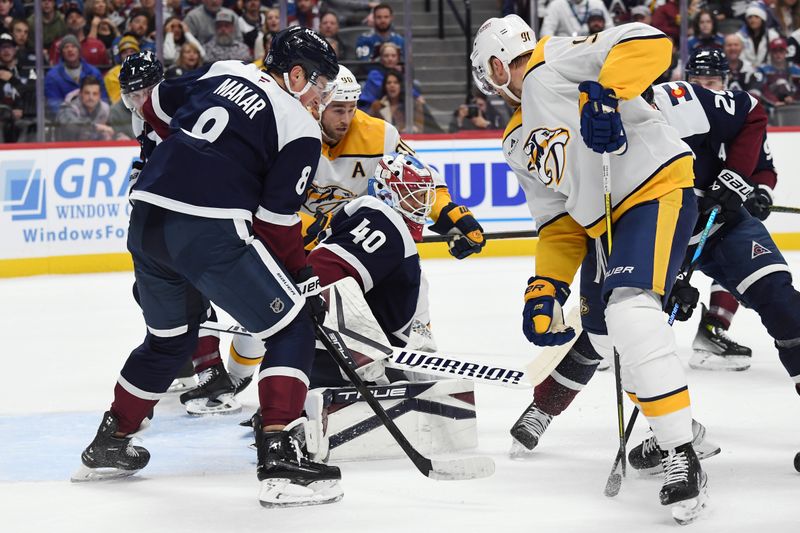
column 506, row 39
column 406, row 185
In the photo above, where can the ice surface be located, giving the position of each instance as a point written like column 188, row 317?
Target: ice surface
column 65, row 339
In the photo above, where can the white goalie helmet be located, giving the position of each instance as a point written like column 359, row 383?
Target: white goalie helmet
column 347, row 86
column 506, row 39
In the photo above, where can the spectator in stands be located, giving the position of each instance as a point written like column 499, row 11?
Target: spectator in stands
column 756, row 36
column 93, row 51
column 188, row 60
column 224, row 44
column 95, row 8
column 741, row 69
column 272, row 20
column 595, row 21
column 176, row 33
column 666, row 18
column 118, row 13
column 389, row 60
column 306, row 15
column 17, row 90
column 139, row 27
column 787, row 14
column 641, row 14
column 201, row 20
column 329, row 28
column 26, row 55
column 777, row 83
column 368, row 44
column 570, row 17
column 391, row 105
column 6, row 18
column 705, row 32
column 53, row 25
column 66, row 76
column 119, row 118
column 84, row 116
column 478, row 115
column 105, row 30
column 251, row 22
column 127, row 46
column 149, row 7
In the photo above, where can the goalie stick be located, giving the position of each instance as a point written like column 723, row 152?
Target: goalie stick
column 442, row 470
column 524, row 234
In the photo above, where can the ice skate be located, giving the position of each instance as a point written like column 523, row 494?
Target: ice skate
column 646, row 457
column 684, row 488
column 714, row 350
column 527, row 431
column 214, row 394
column 110, row 457
column 288, row 477
column 185, row 381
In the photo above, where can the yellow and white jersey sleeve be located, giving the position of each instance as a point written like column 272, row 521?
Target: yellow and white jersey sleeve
column 627, row 59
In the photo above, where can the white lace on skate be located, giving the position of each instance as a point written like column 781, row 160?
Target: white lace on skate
column 676, row 466
column 703, row 447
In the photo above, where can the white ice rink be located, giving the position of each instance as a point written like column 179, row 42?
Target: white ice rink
column 64, row 339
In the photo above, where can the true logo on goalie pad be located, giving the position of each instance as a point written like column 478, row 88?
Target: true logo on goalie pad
column 759, row 250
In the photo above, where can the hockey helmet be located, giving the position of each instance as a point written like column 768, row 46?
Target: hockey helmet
column 138, row 75
column 504, row 38
column 347, row 87
column 405, row 184
column 708, row 62
column 296, row 45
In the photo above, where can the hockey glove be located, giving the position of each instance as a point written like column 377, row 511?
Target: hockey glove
column 315, row 303
column 759, row 202
column 542, row 316
column 601, row 123
column 313, row 228
column 459, row 219
column 728, row 191
column 685, row 296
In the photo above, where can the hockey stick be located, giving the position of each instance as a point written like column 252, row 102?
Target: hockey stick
column 784, row 209
column 524, row 234
column 452, row 469
column 614, row 482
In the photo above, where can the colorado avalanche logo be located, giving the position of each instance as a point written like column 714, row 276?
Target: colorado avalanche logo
column 547, row 153
column 326, row 198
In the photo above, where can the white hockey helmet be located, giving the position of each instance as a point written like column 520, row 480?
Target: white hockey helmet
column 506, row 39
column 347, row 86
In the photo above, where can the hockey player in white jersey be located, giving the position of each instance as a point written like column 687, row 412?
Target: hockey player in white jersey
column 587, row 88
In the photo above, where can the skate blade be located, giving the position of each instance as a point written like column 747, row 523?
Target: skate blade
column 705, row 360
column 275, row 493
column 225, row 404
column 519, row 452
column 85, row 473
column 181, row 385
column 688, row 511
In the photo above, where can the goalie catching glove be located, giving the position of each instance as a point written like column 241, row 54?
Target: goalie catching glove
column 459, row 220
column 542, row 317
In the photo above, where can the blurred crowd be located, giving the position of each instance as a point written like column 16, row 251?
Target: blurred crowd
column 85, row 41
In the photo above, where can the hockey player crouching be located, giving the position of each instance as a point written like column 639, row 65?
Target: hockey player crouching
column 580, row 98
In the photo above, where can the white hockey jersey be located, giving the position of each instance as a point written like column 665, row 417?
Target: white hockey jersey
column 627, row 59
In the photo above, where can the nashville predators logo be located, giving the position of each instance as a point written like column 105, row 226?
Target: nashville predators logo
column 326, row 198
column 547, row 153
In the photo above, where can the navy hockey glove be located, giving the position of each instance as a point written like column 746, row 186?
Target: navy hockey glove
column 460, row 220
column 759, row 202
column 601, row 123
column 728, row 191
column 542, row 317
column 685, row 296
column 315, row 303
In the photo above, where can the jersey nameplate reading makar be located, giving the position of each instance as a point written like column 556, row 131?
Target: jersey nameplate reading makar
column 241, row 95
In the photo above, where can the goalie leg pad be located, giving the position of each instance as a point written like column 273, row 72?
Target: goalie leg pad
column 652, row 373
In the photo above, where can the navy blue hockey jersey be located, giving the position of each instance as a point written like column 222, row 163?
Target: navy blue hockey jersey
column 235, row 144
column 370, row 242
column 724, row 129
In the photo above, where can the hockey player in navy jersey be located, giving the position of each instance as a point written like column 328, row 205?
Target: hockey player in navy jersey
column 740, row 253
column 214, row 218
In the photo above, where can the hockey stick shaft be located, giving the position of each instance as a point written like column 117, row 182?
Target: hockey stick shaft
column 470, row 468
column 523, row 234
column 784, row 209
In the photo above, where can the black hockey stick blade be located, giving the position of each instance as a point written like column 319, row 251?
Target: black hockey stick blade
column 784, row 209
column 614, row 482
column 524, row 234
column 443, row 470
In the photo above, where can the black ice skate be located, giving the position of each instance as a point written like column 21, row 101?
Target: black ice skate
column 714, row 350
column 186, row 379
column 288, row 477
column 684, row 486
column 110, row 457
column 214, row 394
column 527, row 430
column 646, row 457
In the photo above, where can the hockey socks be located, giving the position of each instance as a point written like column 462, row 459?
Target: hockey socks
column 721, row 307
column 557, row 391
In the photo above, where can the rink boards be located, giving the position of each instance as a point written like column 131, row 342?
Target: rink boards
column 65, row 208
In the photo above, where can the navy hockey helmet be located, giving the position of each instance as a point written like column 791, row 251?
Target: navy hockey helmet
column 708, row 62
column 139, row 71
column 296, row 45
